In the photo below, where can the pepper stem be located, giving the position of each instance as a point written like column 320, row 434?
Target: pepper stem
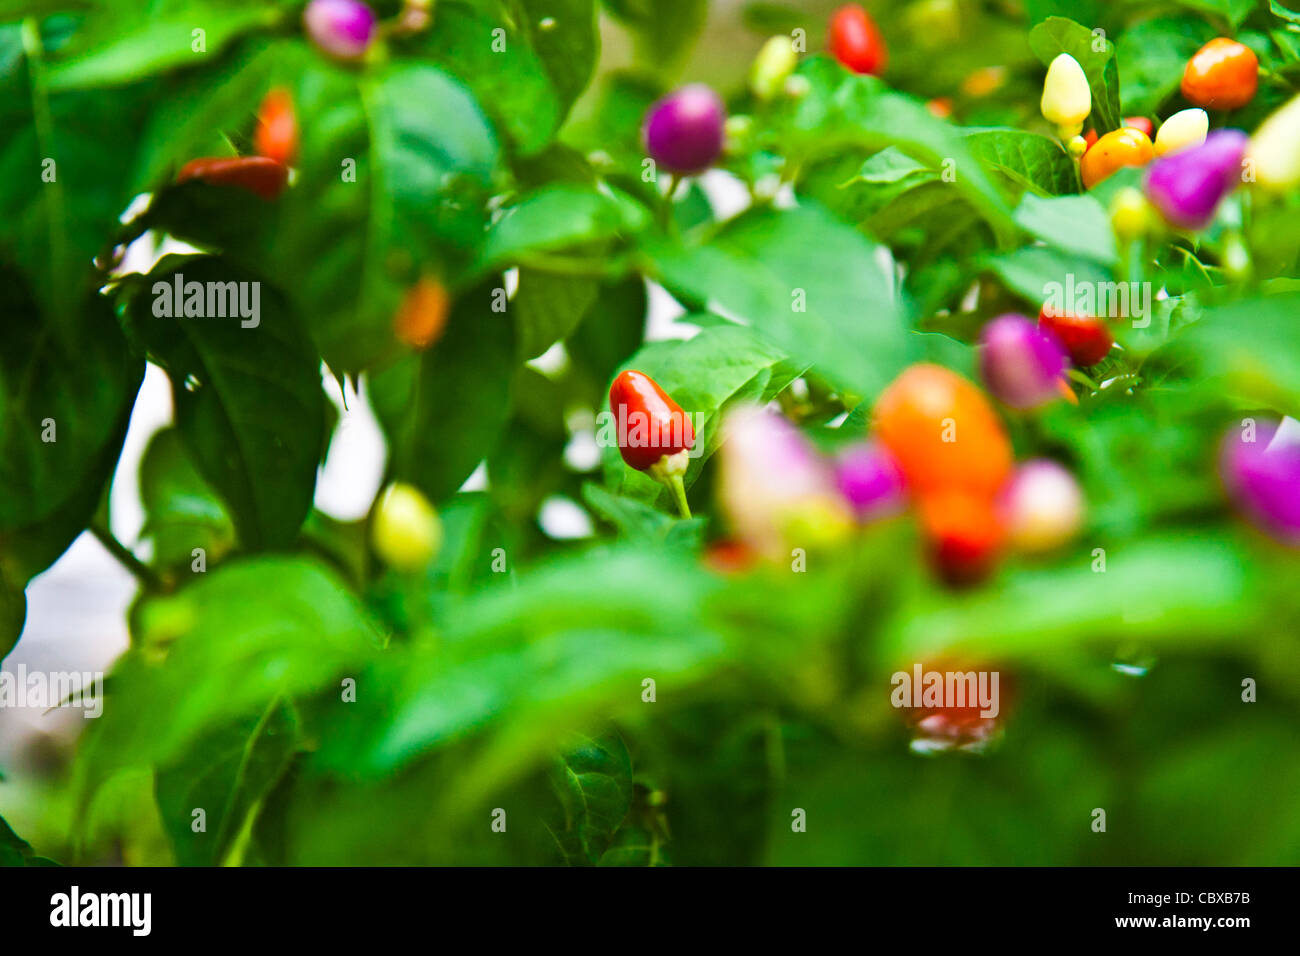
column 678, row 488
column 666, row 208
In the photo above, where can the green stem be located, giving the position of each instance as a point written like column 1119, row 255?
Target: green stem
column 666, row 208
column 143, row 573
column 678, row 488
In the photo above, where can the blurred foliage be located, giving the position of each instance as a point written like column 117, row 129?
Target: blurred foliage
column 614, row 700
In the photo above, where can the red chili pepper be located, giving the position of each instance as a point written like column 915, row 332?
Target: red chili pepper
column 965, row 534
column 651, row 426
column 259, row 175
column 277, row 127
column 856, row 41
column 1085, row 337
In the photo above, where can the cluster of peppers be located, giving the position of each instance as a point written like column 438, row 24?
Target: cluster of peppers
column 936, row 439
column 1189, row 169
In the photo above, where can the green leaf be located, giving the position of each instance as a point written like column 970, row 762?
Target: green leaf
column 1075, row 224
column 1284, row 12
column 766, row 265
column 843, row 110
column 443, row 410
column 249, row 405
column 61, row 189
column 1175, row 588
column 506, row 75
column 1152, row 54
column 665, row 33
column 548, row 307
column 1057, row 35
column 1028, row 160
column 566, row 36
column 15, row 851
column 206, row 110
column 415, row 204
column 1032, row 270
column 637, row 521
column 1250, row 346
column 63, row 415
column 557, row 216
column 105, row 51
column 593, row 782
column 525, row 661
column 225, row 647
column 1232, row 12
column 181, row 511
column 227, row 774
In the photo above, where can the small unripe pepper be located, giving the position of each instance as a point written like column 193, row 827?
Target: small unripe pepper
column 654, row 434
column 343, row 29
column 943, row 432
column 422, row 315
column 684, row 131
column 1222, row 75
column 257, row 174
column 1118, row 148
column 775, row 61
column 1274, row 150
column 856, row 42
column 1263, row 476
column 1086, row 338
column 405, row 530
column 1185, row 128
column 277, row 127
column 1021, row 363
column 1067, row 98
column 1187, row 186
column 1130, row 214
column 1042, row 506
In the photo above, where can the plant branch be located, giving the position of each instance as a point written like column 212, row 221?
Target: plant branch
column 143, row 573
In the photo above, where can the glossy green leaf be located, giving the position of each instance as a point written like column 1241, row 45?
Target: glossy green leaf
column 443, row 410
column 249, row 405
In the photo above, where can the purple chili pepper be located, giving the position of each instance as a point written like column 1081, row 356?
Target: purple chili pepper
column 1188, row 185
column 870, row 481
column 683, row 132
column 1263, row 477
column 1021, row 363
column 341, row 28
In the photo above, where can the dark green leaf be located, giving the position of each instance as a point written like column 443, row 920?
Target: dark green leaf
column 443, row 409
column 249, row 405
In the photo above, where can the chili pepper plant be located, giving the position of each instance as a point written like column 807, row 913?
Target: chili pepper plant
column 860, row 343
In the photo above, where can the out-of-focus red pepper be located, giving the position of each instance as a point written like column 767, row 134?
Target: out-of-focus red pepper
column 257, row 174
column 277, row 127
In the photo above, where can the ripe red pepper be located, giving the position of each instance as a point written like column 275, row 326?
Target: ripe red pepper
column 1085, row 337
column 277, row 127
column 856, row 41
column 965, row 534
column 651, row 426
column 259, row 175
